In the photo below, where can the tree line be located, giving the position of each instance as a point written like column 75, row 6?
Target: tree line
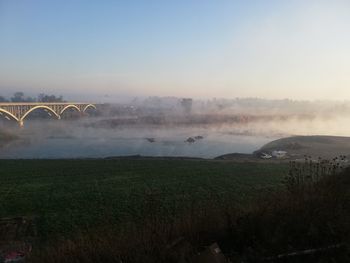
column 21, row 97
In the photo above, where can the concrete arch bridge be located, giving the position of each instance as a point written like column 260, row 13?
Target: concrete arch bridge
column 19, row 111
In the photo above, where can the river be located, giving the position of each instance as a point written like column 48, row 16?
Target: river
column 75, row 139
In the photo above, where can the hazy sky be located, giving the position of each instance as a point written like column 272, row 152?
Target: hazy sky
column 200, row 48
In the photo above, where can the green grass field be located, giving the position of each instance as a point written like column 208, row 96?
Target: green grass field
column 66, row 195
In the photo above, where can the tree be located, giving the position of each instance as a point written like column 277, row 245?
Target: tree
column 49, row 98
column 186, row 104
column 18, row 97
column 2, row 99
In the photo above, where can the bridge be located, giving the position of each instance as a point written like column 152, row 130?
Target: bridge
column 19, row 111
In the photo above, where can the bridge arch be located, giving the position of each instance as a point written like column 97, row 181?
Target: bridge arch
column 89, row 106
column 39, row 107
column 68, row 107
column 9, row 114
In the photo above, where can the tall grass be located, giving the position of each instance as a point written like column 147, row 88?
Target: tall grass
column 305, row 174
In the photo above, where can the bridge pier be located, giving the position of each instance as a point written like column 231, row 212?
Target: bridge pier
column 21, row 123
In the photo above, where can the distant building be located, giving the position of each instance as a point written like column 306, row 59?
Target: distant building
column 186, row 104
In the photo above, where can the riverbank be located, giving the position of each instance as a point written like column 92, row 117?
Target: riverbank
column 296, row 148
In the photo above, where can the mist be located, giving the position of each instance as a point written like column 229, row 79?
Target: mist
column 158, row 126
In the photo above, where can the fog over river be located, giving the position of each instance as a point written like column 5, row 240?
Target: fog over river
column 75, row 139
column 97, row 137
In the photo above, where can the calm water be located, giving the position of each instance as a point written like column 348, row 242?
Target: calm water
column 73, row 140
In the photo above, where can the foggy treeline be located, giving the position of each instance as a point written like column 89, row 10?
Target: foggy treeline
column 21, row 97
column 238, row 106
column 154, row 105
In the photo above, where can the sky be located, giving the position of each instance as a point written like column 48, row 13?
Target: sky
column 186, row 48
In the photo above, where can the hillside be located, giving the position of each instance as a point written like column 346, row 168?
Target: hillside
column 315, row 146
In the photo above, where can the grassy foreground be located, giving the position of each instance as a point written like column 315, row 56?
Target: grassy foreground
column 100, row 211
column 66, row 195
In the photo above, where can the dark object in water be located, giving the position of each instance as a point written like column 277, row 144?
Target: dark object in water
column 199, row 137
column 150, row 139
column 190, row 140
